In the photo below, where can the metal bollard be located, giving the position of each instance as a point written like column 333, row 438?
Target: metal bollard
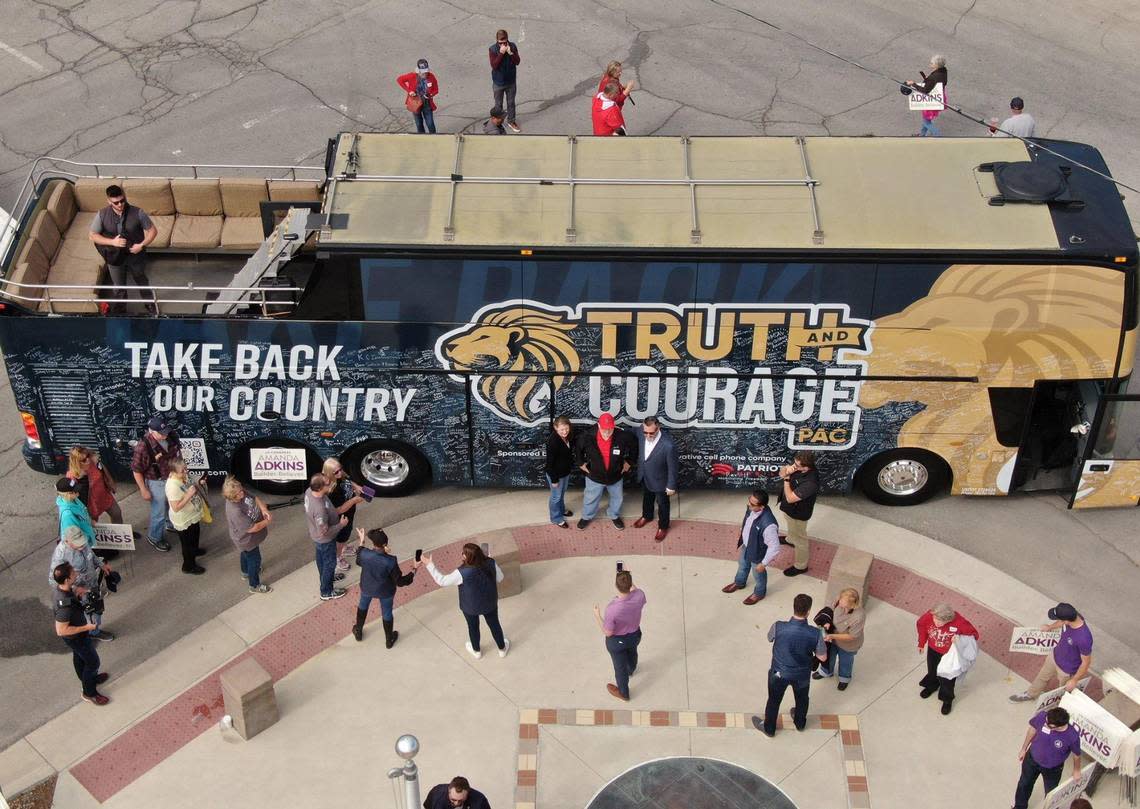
column 407, row 746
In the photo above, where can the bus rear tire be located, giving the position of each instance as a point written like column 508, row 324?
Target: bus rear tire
column 240, row 466
column 391, row 467
column 903, row 477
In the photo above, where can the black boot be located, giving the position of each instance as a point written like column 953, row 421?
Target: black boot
column 358, row 627
column 390, row 635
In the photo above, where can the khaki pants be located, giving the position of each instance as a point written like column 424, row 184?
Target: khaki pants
column 1043, row 681
column 797, row 536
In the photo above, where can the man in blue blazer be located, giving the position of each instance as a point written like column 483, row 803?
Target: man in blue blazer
column 657, row 474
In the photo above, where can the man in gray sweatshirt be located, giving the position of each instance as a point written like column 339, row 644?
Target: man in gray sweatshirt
column 324, row 524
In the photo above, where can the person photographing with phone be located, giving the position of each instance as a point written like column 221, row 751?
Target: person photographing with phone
column 621, row 625
column 186, row 498
column 379, row 577
column 478, row 578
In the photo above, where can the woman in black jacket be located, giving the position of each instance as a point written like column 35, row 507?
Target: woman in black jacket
column 937, row 75
column 379, row 577
column 559, row 462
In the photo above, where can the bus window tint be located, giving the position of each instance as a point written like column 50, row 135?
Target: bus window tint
column 568, row 283
column 1010, row 408
column 897, row 286
column 1119, row 436
column 426, row 290
column 790, row 282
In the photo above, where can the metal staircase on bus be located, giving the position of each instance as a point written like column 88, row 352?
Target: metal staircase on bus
column 275, row 252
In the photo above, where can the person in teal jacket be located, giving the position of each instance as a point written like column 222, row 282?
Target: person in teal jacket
column 72, row 511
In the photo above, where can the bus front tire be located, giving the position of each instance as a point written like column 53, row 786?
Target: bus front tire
column 391, row 467
column 903, row 477
column 240, row 466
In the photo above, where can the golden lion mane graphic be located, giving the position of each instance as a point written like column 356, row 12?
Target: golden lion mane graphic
column 516, row 338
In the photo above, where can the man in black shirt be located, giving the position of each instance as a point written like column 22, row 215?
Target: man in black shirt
column 456, row 795
column 121, row 232
column 72, row 625
column 799, row 485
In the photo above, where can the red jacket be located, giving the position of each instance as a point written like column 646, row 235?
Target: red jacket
column 607, row 116
column 408, row 82
column 606, row 79
column 941, row 638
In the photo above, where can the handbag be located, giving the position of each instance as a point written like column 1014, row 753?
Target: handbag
column 207, row 515
column 413, row 103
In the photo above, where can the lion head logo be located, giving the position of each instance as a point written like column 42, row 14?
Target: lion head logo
column 513, row 338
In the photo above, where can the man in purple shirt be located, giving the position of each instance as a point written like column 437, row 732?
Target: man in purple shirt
column 1048, row 742
column 1071, row 658
column 759, row 542
column 622, row 628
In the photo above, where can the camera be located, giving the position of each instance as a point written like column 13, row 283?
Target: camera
column 92, row 603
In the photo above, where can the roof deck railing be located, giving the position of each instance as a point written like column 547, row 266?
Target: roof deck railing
column 257, row 295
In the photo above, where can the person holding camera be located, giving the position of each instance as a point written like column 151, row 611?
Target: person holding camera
column 478, row 578
column 185, row 497
column 248, row 519
column 505, row 59
column 121, row 233
column 379, row 577
column 74, row 627
column 799, row 486
column 324, row 523
column 74, row 549
column 622, row 627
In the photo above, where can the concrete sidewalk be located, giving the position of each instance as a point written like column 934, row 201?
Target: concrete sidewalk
column 538, row 728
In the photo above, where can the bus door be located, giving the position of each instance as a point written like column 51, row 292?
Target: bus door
column 1110, row 465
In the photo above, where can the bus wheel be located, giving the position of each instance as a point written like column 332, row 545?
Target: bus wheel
column 903, row 477
column 392, row 468
column 240, row 466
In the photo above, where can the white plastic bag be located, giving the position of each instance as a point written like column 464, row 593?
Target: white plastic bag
column 960, row 658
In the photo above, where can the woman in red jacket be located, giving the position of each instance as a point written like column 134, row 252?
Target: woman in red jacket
column 937, row 629
column 424, row 87
column 613, row 74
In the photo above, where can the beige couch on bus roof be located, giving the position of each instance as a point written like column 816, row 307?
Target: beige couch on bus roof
column 191, row 216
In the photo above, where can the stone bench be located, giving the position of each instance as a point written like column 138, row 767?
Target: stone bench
column 505, row 551
column 849, row 568
column 250, row 701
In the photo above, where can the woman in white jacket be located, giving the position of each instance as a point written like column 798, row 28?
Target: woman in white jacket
column 478, row 578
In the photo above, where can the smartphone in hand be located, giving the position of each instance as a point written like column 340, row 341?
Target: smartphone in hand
column 419, row 554
column 620, row 566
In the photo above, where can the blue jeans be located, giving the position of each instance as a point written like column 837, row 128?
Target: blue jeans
column 385, row 605
column 86, row 662
column 777, row 685
column 846, row 662
column 159, row 523
column 251, row 566
column 623, row 651
column 742, row 575
column 593, row 497
column 425, row 117
column 928, row 128
column 1030, row 769
column 557, row 499
column 326, row 565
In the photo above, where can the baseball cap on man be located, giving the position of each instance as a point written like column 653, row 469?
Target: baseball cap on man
column 159, row 424
column 1016, row 103
column 1063, row 612
column 606, row 421
column 422, row 66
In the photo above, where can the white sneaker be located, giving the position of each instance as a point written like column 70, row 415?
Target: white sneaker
column 342, row 564
column 471, row 649
column 506, row 647
column 1022, row 697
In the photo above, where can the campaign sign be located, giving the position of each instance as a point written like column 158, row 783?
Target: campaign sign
column 278, row 464
column 114, row 537
column 934, row 100
column 1034, row 641
column 194, row 453
column 1051, row 699
column 1068, row 790
column 1130, row 755
column 1102, row 734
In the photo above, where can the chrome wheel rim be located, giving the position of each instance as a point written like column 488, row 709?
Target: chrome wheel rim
column 385, row 468
column 903, row 477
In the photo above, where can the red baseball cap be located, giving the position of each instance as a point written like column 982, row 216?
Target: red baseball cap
column 606, row 421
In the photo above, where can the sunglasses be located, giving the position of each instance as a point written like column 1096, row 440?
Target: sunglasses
column 118, row 202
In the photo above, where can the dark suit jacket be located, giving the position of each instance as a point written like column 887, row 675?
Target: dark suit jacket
column 659, row 471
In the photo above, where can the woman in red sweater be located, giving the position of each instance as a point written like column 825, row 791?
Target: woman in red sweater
column 937, row 629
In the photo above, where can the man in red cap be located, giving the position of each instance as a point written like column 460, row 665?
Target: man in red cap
column 604, row 454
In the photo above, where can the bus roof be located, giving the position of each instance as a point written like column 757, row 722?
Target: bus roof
column 778, row 193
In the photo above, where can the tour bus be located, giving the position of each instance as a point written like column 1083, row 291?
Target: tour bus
column 924, row 314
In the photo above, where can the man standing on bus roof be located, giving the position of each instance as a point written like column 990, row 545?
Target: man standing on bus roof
column 604, row 454
column 504, row 56
column 121, row 232
column 151, row 467
column 657, row 474
column 799, row 485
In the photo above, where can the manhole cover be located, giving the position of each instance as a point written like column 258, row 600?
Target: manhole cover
column 688, row 783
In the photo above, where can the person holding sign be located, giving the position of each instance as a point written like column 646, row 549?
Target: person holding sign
column 1048, row 742
column 1071, row 658
column 936, row 76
